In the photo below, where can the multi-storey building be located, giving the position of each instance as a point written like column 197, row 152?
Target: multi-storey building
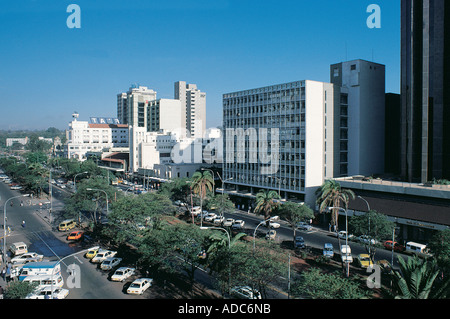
column 294, row 122
column 84, row 137
column 359, row 139
column 425, row 97
column 132, row 106
column 193, row 102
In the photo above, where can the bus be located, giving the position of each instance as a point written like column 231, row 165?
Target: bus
column 415, row 248
column 39, row 269
column 43, row 281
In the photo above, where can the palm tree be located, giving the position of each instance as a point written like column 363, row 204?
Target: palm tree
column 415, row 278
column 265, row 202
column 330, row 194
column 201, row 183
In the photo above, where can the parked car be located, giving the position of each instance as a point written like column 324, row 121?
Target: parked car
column 364, row 261
column 343, row 234
column 210, row 217
column 18, row 248
column 75, row 235
column 245, row 292
column 27, row 257
column 123, row 273
column 238, row 224
column 346, row 254
column 274, row 225
column 397, row 247
column 92, row 252
column 110, row 262
column 366, row 240
column 299, row 242
column 46, row 293
column 271, row 234
column 102, row 255
column 139, row 286
column 228, row 222
column 304, row 226
column 328, row 250
column 67, row 224
column 218, row 220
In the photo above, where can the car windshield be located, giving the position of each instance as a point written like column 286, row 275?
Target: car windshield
column 119, row 273
column 135, row 285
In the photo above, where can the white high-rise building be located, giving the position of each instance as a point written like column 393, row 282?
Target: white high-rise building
column 193, row 102
column 360, row 139
column 132, row 105
column 294, row 121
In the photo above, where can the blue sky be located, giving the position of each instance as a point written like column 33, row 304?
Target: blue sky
column 48, row 71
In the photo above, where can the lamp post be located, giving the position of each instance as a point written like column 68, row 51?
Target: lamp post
column 346, row 239
column 74, row 183
column 254, row 233
column 368, row 212
column 229, row 248
column 106, row 194
column 4, row 223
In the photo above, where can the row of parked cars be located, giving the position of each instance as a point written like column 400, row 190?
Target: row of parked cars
column 108, row 261
column 5, row 179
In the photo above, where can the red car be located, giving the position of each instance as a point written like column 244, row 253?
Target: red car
column 397, row 247
column 75, row 235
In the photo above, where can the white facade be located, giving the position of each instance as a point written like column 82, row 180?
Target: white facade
column 193, row 103
column 84, row 137
column 362, row 85
column 132, row 105
column 302, row 113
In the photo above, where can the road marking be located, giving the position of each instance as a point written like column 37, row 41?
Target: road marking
column 76, row 257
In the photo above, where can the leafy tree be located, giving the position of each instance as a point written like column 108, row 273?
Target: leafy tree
column 330, row 194
column 35, row 144
column 440, row 248
column 415, row 278
column 19, row 289
column 202, row 182
column 315, row 284
column 373, row 224
column 294, row 213
column 266, row 203
column 221, row 203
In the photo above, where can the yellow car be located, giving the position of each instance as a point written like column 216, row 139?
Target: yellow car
column 67, row 224
column 92, row 252
column 364, row 261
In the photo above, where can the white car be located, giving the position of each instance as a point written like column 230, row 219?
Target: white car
column 245, row 292
column 218, row 220
column 46, row 293
column 228, row 222
column 304, row 226
column 238, row 224
column 140, row 285
column 27, row 257
column 366, row 239
column 274, row 225
column 210, row 217
column 122, row 273
column 110, row 262
column 102, row 255
column 342, row 234
column 346, row 254
column 16, row 187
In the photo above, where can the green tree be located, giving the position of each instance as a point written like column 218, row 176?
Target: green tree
column 19, row 289
column 415, row 278
column 266, row 203
column 202, row 182
column 373, row 224
column 315, row 284
column 440, row 248
column 294, row 213
column 330, row 194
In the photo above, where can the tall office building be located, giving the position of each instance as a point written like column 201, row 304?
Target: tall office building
column 193, row 102
column 425, row 94
column 279, row 137
column 132, row 106
column 359, row 141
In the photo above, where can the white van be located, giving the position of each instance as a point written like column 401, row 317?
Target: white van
column 196, row 210
column 43, row 281
column 416, row 248
column 18, row 248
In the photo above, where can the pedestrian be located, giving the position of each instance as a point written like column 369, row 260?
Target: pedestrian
column 1, row 292
column 23, row 223
column 3, row 274
column 8, row 273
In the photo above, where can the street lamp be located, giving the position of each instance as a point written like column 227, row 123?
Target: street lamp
column 368, row 212
column 346, row 238
column 254, row 233
column 229, row 248
column 74, row 183
column 106, row 194
column 4, row 223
